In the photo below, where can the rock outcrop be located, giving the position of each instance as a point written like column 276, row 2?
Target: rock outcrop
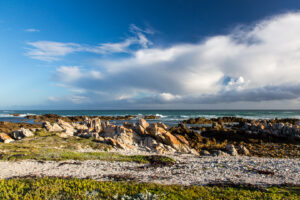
column 19, row 134
column 152, row 137
column 5, row 138
column 257, row 127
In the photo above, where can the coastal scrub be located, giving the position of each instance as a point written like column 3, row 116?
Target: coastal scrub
column 60, row 188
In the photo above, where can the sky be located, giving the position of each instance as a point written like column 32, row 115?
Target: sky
column 170, row 54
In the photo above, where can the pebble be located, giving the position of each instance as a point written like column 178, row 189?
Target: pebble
column 188, row 170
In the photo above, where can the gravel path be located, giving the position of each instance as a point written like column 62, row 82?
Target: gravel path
column 188, row 170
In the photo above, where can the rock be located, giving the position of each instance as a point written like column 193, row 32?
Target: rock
column 87, row 134
column 33, row 129
column 67, row 127
column 123, row 137
column 231, row 150
column 143, row 123
column 94, row 125
column 99, row 139
column 80, row 127
column 68, row 132
column 63, row 135
column 127, row 125
column 52, row 128
column 160, row 149
column 261, row 127
column 26, row 132
column 126, row 136
column 19, row 134
column 219, row 153
column 141, row 130
column 204, row 153
column 149, row 142
column 124, row 146
column 162, row 125
column 182, row 139
column 167, row 138
column 216, row 125
column 194, row 152
column 243, row 150
column 109, row 131
column 110, row 141
column 5, row 138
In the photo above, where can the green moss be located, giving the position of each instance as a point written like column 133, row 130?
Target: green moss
column 59, row 188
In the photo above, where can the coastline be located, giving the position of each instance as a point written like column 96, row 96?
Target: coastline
column 217, row 152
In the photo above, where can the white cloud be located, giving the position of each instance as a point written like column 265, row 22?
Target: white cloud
column 52, row 51
column 71, row 74
column 32, row 30
column 256, row 63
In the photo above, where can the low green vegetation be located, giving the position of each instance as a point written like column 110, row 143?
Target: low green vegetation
column 48, row 146
column 59, row 188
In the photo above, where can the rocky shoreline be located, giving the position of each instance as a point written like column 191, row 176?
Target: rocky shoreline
column 226, row 151
column 225, row 136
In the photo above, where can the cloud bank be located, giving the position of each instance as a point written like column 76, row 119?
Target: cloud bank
column 260, row 62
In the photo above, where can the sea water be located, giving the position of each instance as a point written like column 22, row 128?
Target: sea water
column 166, row 116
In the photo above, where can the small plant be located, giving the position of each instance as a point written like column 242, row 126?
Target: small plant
column 60, row 188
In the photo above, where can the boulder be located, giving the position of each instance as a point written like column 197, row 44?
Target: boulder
column 140, row 130
column 243, row 150
column 80, row 127
column 143, row 123
column 52, row 128
column 5, row 138
column 69, row 132
column 122, row 135
column 182, row 139
column 67, row 127
column 204, row 153
column 166, row 137
column 94, row 125
column 231, row 150
column 19, row 134
column 162, row 125
column 26, row 132
column 126, row 136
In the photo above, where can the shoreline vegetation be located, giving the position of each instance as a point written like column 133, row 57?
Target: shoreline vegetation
column 152, row 145
column 68, row 188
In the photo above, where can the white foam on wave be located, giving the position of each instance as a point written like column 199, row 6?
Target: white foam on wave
column 209, row 116
column 184, row 116
column 160, row 115
column 12, row 115
column 5, row 115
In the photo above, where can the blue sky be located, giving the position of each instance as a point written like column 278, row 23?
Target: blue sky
column 149, row 54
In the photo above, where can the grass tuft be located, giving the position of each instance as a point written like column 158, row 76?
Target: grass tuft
column 60, row 188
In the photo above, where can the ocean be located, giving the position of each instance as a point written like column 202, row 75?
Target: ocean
column 167, row 116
